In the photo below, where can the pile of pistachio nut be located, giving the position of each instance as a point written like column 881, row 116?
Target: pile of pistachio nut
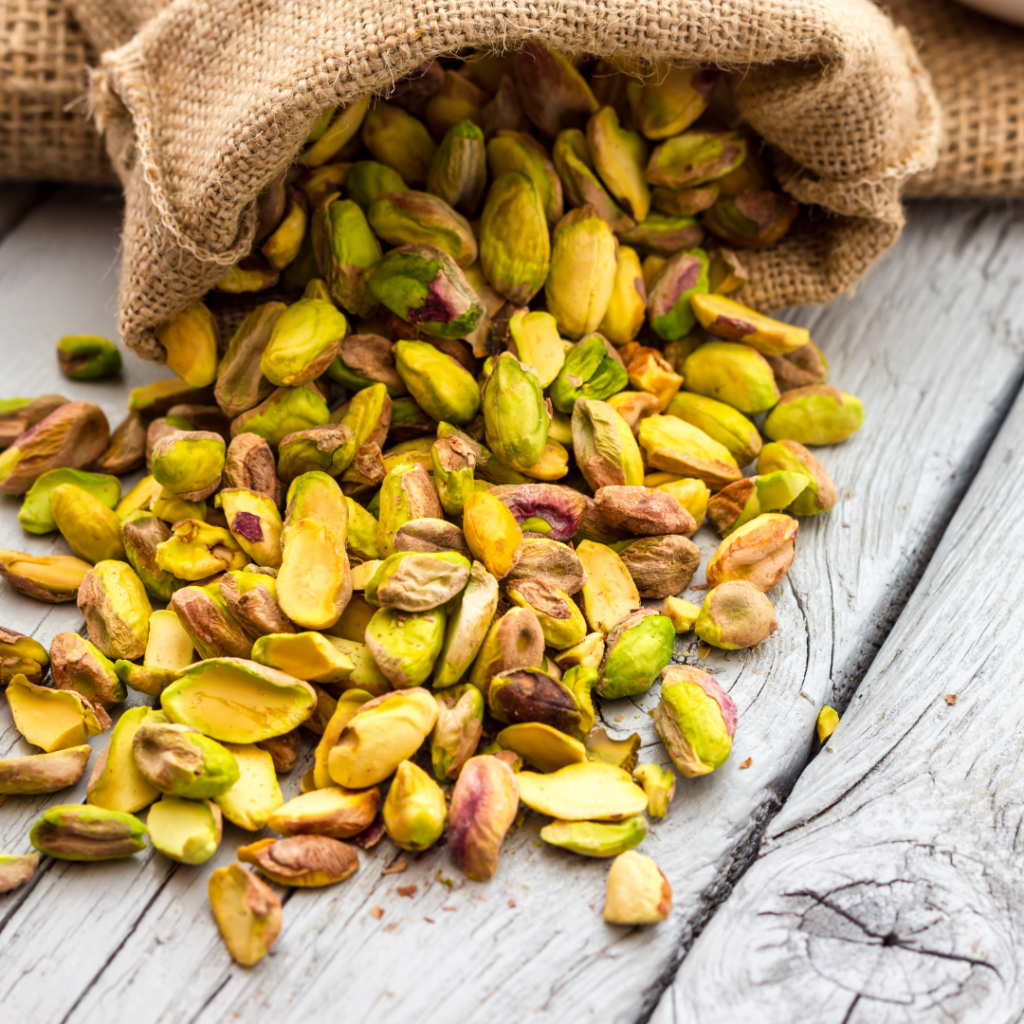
column 438, row 567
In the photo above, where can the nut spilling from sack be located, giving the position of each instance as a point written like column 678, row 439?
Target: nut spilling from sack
column 547, row 391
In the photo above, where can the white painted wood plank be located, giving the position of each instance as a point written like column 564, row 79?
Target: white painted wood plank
column 890, row 888
column 949, row 295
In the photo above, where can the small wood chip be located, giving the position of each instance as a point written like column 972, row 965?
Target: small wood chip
column 406, row 890
column 429, row 920
column 512, row 904
column 703, row 651
column 377, row 912
column 397, row 868
column 746, row 764
column 450, row 910
column 950, row 699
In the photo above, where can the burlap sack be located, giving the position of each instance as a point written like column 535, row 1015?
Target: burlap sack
column 43, row 131
column 977, row 67
column 213, row 98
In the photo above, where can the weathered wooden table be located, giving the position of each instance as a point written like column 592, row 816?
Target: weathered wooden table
column 888, row 886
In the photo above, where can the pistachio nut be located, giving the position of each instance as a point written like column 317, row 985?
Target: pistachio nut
column 582, row 187
column 661, row 566
column 304, row 861
column 580, row 681
column 535, row 341
column 559, row 616
column 696, row 720
column 178, row 760
column 515, row 247
column 609, row 594
column 310, row 656
column 303, row 342
column 365, row 359
column 685, row 202
column 21, row 655
column 439, row 384
column 643, row 511
column 819, row 493
column 732, row 321
column 691, row 493
column 802, row 366
column 395, row 138
column 663, row 235
column 720, row 422
column 581, row 792
column 283, row 750
column 456, row 734
column 256, row 795
column 18, row 414
column 619, row 158
column 78, row 665
column 196, row 550
column 670, row 100
column 515, row 417
column 126, row 450
column 190, row 343
column 415, row 810
column 189, row 463
column 156, row 398
column 682, row 614
column 453, row 462
column 817, row 414
column 168, row 650
column 542, row 745
column 627, row 306
column 694, row 157
column 74, row 435
column 367, row 179
column 407, row 494
column 340, row 128
column 636, row 650
column 735, row 614
column 492, row 533
column 346, row 249
column 530, row 695
column 505, row 111
column 413, row 581
column 254, row 522
column 514, row 640
column 596, row 838
column 761, row 552
column 248, row 913
column 285, row 411
column 605, row 449
column 84, row 833
column 251, row 274
column 361, row 542
column 650, row 372
column 237, row 701
column 410, row 217
column 92, row 529
column 43, row 773
column 49, row 578
column 676, row 446
column 383, row 732
column 588, row 653
column 36, row 514
column 16, row 870
column 405, row 645
column 828, row 719
column 727, row 273
column 250, row 464
column 751, row 220
column 592, row 369
column 116, row 609
column 520, row 151
column 187, row 831
column 209, row 623
column 638, row 892
column 748, row 498
column 367, row 415
column 550, row 510
column 458, row 99
column 553, row 93
column 409, row 421
column 579, row 285
column 285, row 241
column 668, row 298
column 467, row 626
column 659, row 785
column 53, row 719
column 87, row 357
column 458, row 172
column 487, row 468
column 485, row 802
column 425, row 287
column 544, row 561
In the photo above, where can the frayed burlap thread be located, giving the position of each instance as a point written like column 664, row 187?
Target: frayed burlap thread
column 213, row 98
column 43, row 130
column 977, row 67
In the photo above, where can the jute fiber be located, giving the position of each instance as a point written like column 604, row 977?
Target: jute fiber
column 977, row 67
column 213, row 98
column 43, row 131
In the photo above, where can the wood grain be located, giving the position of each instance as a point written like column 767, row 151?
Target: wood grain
column 933, row 346
column 890, row 886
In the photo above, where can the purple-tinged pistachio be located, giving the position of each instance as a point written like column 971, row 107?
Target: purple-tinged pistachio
column 732, row 321
column 514, row 640
column 282, row 413
column 399, row 140
column 751, row 220
column 555, row 506
column 484, row 804
column 190, row 343
column 720, row 422
column 255, row 524
column 732, row 373
column 458, row 172
column 636, row 650
column 87, row 357
column 819, row 493
column 250, row 464
column 530, row 695
column 553, row 93
column 695, row 719
column 818, row 414
column 75, row 434
column 748, row 498
column 116, row 609
column 458, row 99
column 638, row 893
column 579, row 285
column 661, row 566
column 409, row 217
column 21, row 655
column 515, row 247
column 18, row 414
column 519, row 151
column 671, row 100
column 735, row 614
column 85, row 833
column 78, row 665
column 668, row 300
column 659, row 785
column 619, row 158
column 50, row 578
column 695, row 157
column 760, row 552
